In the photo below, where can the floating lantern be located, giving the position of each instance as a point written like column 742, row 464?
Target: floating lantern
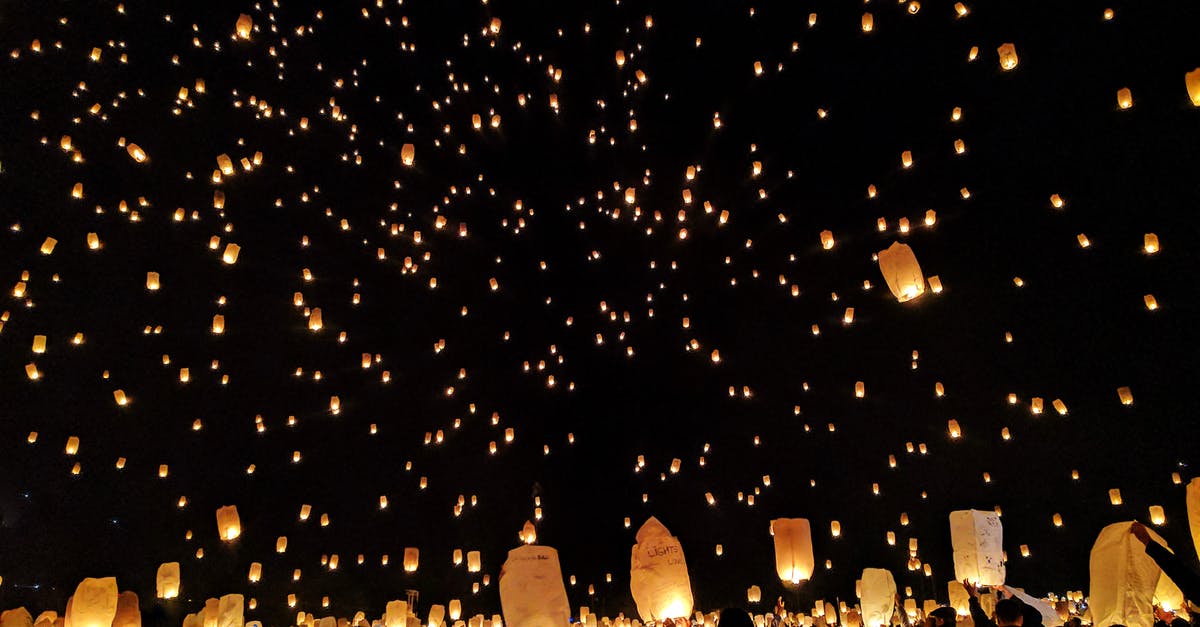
column 229, row 526
column 793, row 549
column 977, row 538
column 1008, row 56
column 167, row 581
column 244, row 25
column 658, row 576
column 901, row 271
column 1192, row 79
column 1124, row 98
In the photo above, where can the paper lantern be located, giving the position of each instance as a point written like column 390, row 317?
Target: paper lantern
column 868, row 22
column 228, row 524
column 455, row 609
column 136, row 153
column 658, row 575
column 1150, row 243
column 407, row 153
column 225, row 164
column 878, row 597
column 1192, row 79
column 244, row 25
column 531, row 588
column 231, row 611
column 753, row 595
column 826, row 239
column 231, row 254
column 94, row 603
column 794, row 560
column 1008, row 56
column 474, row 561
column 281, row 544
column 1124, row 98
column 1123, row 578
column 1125, row 395
column 48, row 245
column 1114, row 496
column 835, row 528
column 166, row 581
column 954, row 429
column 412, row 557
column 1167, row 595
column 1157, row 516
column 152, row 282
column 906, row 159
column 528, row 533
column 128, row 614
column 19, row 617
column 218, row 324
column 977, row 538
column 901, row 271
column 396, row 614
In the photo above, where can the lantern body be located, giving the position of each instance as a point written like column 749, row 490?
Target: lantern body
column 958, row 598
column 128, row 614
column 396, row 614
column 901, row 271
column 94, row 603
column 19, row 617
column 753, row 594
column 167, row 580
column 244, row 25
column 228, row 524
column 230, row 611
column 1123, row 578
column 408, row 153
column 977, row 538
column 1193, row 86
column 1167, row 595
column 658, row 575
column 473, row 561
column 793, row 549
column 412, row 556
column 531, row 588
column 878, row 597
column 1008, row 56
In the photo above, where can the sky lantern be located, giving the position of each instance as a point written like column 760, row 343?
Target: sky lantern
column 868, row 22
column 1123, row 578
column 1125, row 395
column 531, row 588
column 167, row 580
column 229, row 526
column 244, row 25
column 136, row 153
column 396, row 614
column 407, row 153
column 978, row 541
column 1124, row 98
column 827, row 239
column 878, row 597
column 230, row 256
column 94, row 603
column 794, row 560
column 1008, row 56
column 901, row 271
column 412, row 558
column 658, row 575
column 1192, row 80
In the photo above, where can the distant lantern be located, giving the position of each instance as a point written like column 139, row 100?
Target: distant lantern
column 1192, row 79
column 152, row 282
column 48, row 245
column 1157, row 517
column 906, row 159
column 230, row 256
column 860, row 389
column 868, row 22
column 474, row 561
column 901, row 272
column 225, row 164
column 120, row 398
column 960, row 9
column 411, row 559
column 218, row 324
column 407, row 153
column 228, row 523
column 826, row 239
column 835, row 529
column 244, row 25
column 167, row 581
column 794, row 560
column 1125, row 395
column 753, row 595
column 1150, row 243
column 954, row 429
column 1124, row 98
column 136, row 152
column 1008, row 56
column 1114, row 496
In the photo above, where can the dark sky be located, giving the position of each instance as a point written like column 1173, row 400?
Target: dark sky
column 533, row 190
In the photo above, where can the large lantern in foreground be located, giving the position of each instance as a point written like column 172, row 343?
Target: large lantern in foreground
column 1193, row 510
column 878, row 597
column 902, row 272
column 531, row 588
column 1123, row 578
column 978, row 541
column 167, row 580
column 94, row 603
column 794, row 560
column 658, row 575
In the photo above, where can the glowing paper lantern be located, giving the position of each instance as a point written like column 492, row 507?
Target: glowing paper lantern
column 794, row 560
column 977, row 538
column 474, row 561
column 166, row 581
column 230, row 611
column 826, row 239
column 1124, row 98
column 1193, row 86
column 244, row 25
column 396, row 614
column 901, row 271
column 1008, row 56
column 1157, row 516
column 128, row 614
column 94, row 603
column 412, row 557
column 528, row 533
column 878, row 597
column 753, row 595
column 658, row 576
column 868, row 22
column 1123, row 578
column 231, row 254
column 19, row 617
column 408, row 152
column 228, row 523
column 531, row 588
column 136, row 153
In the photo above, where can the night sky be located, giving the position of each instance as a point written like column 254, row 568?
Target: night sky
column 545, row 273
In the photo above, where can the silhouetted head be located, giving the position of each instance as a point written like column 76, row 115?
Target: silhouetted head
column 1008, row 613
column 944, row 616
column 734, row 617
